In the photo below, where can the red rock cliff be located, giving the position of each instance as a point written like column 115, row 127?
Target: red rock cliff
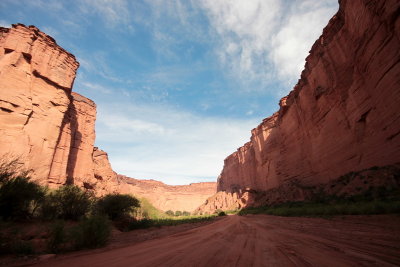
column 49, row 128
column 170, row 197
column 36, row 76
column 343, row 115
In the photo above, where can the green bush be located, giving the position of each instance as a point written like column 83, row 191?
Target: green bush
column 117, row 205
column 92, row 232
column 50, row 209
column 185, row 213
column 178, row 213
column 170, row 213
column 140, row 224
column 22, row 248
column 19, row 197
column 5, row 242
column 57, row 237
column 146, row 223
column 68, row 202
column 343, row 207
column 221, row 213
column 147, row 210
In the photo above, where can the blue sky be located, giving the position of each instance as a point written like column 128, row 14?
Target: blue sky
column 178, row 84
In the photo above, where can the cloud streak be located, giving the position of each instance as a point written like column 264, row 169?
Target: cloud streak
column 161, row 142
column 113, row 12
column 261, row 40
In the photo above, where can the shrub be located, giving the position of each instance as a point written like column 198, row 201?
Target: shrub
column 57, row 237
column 92, row 232
column 5, row 242
column 178, row 213
column 23, row 248
column 50, row 209
column 147, row 210
column 140, row 224
column 67, row 202
column 117, row 205
column 19, row 197
column 10, row 168
column 170, row 213
column 221, row 213
column 122, row 223
column 186, row 213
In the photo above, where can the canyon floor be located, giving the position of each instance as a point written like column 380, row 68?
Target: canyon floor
column 254, row 240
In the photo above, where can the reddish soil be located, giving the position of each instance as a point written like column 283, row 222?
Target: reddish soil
column 257, row 240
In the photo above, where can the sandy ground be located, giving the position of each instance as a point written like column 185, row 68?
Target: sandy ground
column 258, row 240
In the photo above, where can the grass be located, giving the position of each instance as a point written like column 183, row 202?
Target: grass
column 232, row 212
column 148, row 211
column 378, row 199
column 315, row 209
column 147, row 223
column 147, row 216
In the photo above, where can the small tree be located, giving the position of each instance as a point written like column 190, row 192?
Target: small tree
column 170, row 213
column 117, row 205
column 92, row 232
column 68, row 202
column 19, row 197
column 178, row 213
column 185, row 213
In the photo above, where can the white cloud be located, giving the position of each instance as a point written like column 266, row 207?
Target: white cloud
column 5, row 24
column 95, row 87
column 257, row 41
column 261, row 40
column 150, row 141
column 97, row 63
column 50, row 31
column 112, row 11
column 290, row 45
column 53, row 6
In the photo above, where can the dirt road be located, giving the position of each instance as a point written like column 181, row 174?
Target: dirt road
column 261, row 240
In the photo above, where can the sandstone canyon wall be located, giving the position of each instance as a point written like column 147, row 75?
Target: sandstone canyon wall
column 342, row 116
column 36, row 78
column 168, row 197
column 52, row 129
column 43, row 123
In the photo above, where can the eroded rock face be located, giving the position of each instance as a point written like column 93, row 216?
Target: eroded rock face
column 223, row 200
column 370, row 183
column 73, row 162
column 169, row 197
column 343, row 115
column 50, row 129
column 106, row 179
column 36, row 77
column 80, row 169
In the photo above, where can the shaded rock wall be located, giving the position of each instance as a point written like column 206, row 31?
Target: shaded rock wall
column 80, row 167
column 343, row 115
column 73, row 162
